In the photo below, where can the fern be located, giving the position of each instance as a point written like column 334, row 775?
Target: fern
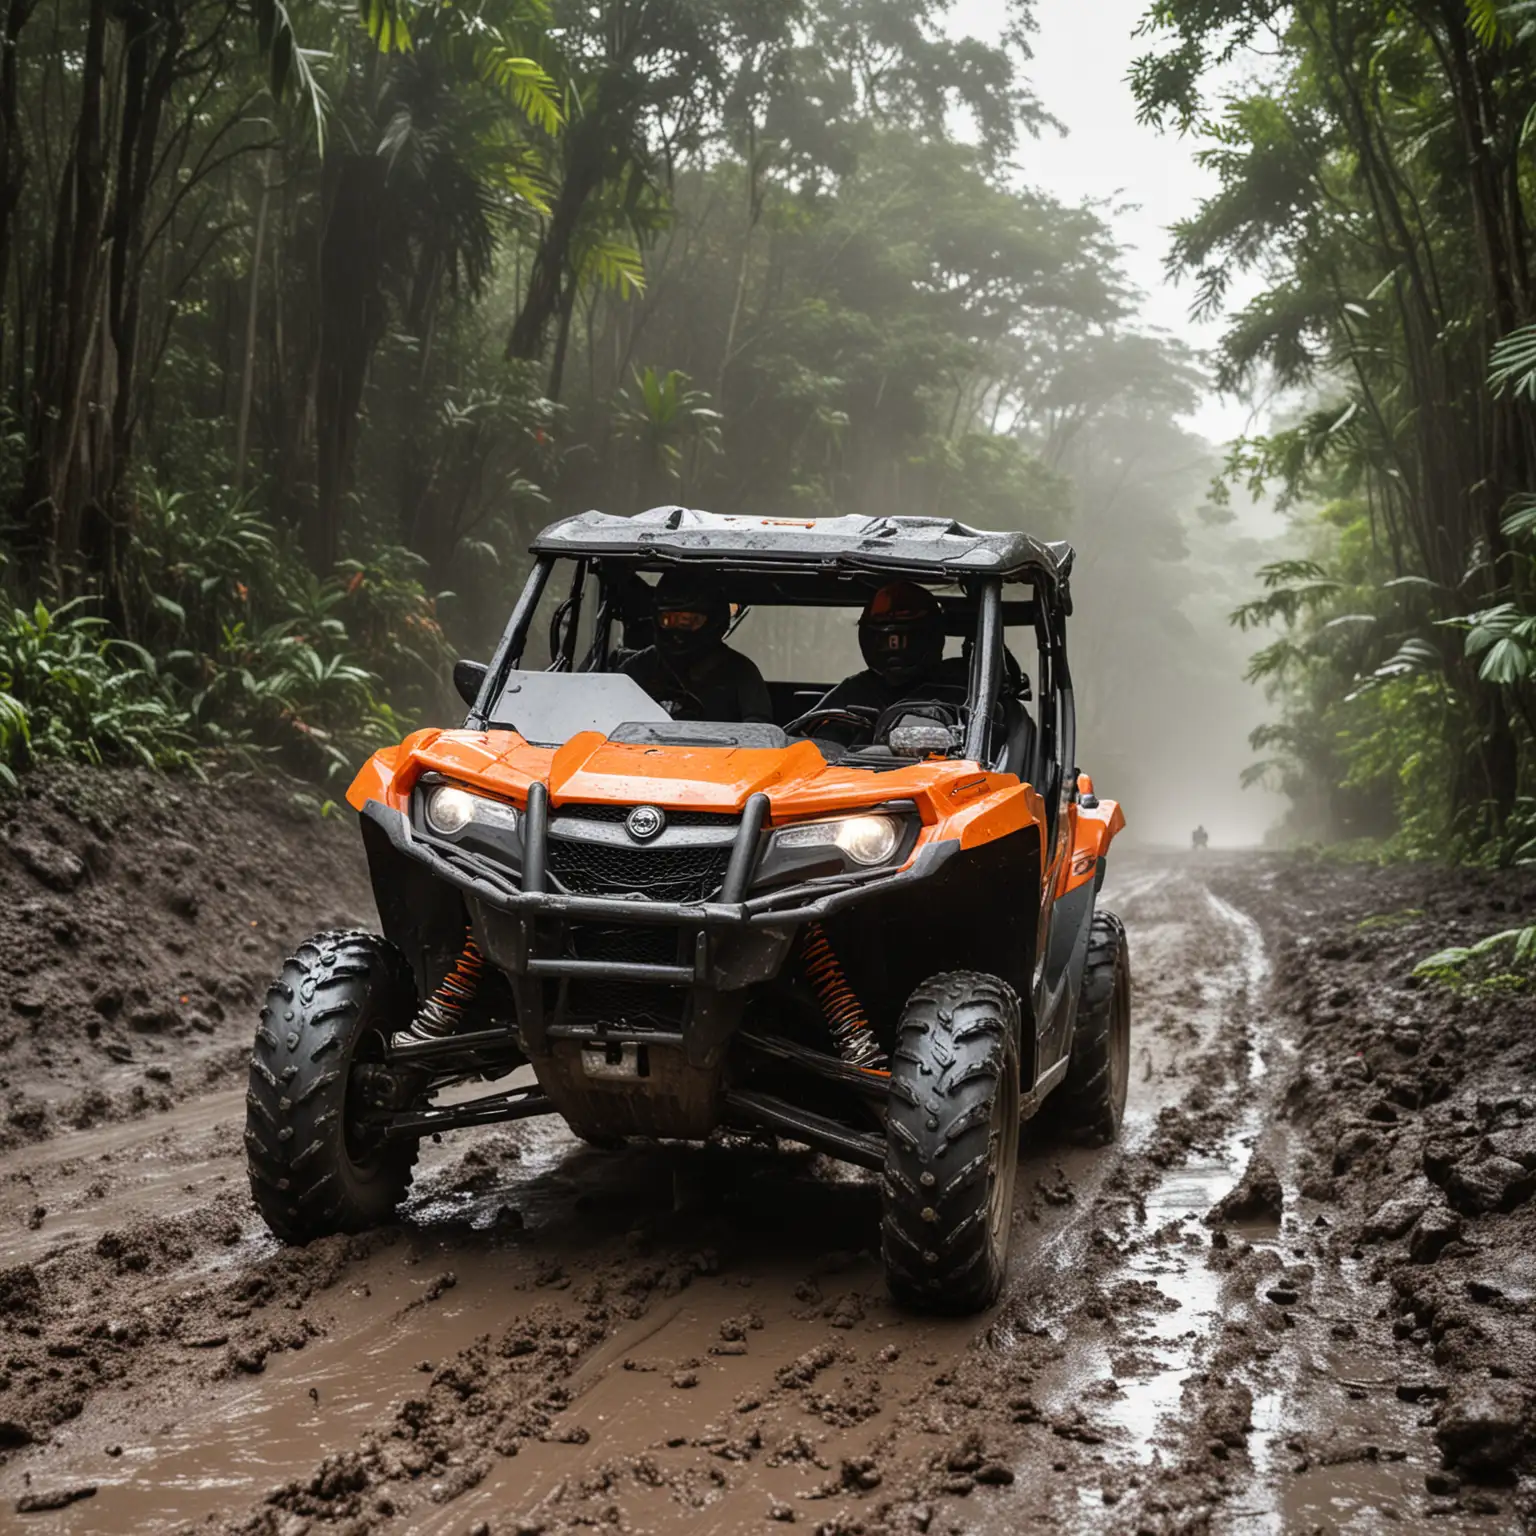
column 614, row 266
column 1513, row 363
column 526, row 84
column 1483, row 964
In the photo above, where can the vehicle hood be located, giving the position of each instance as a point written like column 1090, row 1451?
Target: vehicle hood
column 589, row 769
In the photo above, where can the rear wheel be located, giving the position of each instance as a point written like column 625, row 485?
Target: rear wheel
column 952, row 1144
column 315, row 1165
column 1090, row 1104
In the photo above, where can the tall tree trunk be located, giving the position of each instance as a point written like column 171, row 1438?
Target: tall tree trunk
column 67, row 337
column 563, row 338
column 352, row 321
column 248, row 361
column 13, row 150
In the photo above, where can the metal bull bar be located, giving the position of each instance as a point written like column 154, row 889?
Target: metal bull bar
column 531, row 955
column 738, row 876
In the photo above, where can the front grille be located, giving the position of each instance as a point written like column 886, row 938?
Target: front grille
column 626, row 1004
column 657, row 874
column 619, row 814
column 631, row 945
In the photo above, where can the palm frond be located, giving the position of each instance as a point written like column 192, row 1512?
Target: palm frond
column 613, row 265
column 526, row 84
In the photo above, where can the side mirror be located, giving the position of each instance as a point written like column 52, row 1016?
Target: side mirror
column 467, row 678
column 919, row 741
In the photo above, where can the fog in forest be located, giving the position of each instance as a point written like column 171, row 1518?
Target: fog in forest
column 1166, row 714
column 311, row 319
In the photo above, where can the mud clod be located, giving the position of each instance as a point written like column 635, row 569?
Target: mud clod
column 54, row 1498
column 1259, row 1196
column 1483, row 1427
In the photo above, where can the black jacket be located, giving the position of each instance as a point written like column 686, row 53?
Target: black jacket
column 719, row 684
column 949, row 681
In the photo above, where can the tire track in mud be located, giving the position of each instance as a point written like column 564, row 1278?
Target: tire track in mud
column 668, row 1339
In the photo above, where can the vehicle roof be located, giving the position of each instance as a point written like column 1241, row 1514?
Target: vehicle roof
column 936, row 546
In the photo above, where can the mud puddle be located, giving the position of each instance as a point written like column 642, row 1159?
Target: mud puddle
column 1135, row 1376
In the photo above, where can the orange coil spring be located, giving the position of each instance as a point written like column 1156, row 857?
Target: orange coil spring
column 443, row 1012
column 846, row 1018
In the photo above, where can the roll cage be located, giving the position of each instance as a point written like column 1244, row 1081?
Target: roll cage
column 985, row 609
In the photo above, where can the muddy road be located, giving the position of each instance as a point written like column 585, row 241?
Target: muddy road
column 696, row 1340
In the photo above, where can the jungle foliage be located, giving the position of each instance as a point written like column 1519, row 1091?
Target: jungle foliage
column 1375, row 175
column 310, row 315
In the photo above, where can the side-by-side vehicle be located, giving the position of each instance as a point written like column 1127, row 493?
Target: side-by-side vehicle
column 869, row 931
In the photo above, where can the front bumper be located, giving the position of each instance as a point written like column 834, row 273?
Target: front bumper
column 726, row 945
column 499, row 888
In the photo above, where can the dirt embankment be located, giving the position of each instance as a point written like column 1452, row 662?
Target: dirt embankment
column 140, row 921
column 1411, row 1109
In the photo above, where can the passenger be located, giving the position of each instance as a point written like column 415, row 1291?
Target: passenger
column 901, row 637
column 690, row 670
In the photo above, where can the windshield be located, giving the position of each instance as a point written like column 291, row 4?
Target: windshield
column 548, row 708
column 753, row 657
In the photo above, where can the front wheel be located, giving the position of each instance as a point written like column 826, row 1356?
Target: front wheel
column 1091, row 1102
column 315, row 1166
column 952, row 1144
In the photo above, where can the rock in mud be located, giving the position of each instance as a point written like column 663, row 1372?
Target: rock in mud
column 1436, row 1229
column 54, row 1498
column 20, row 1292
column 1228, row 1417
column 1258, row 1196
column 1483, row 1428
column 1392, row 1219
column 55, row 867
column 1495, row 1184
column 1354, row 1147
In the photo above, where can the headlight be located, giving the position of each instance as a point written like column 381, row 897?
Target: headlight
column 448, row 810
column 867, row 840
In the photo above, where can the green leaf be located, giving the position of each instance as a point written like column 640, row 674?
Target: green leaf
column 526, row 84
column 1521, row 518
column 1444, row 960
column 1495, row 941
column 1513, row 363
column 615, row 266
column 384, row 21
column 1507, row 661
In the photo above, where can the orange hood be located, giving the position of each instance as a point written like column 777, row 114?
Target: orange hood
column 590, row 769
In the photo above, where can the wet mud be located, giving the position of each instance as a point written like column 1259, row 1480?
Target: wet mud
column 1268, row 1308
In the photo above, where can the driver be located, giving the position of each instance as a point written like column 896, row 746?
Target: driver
column 690, row 670
column 901, row 637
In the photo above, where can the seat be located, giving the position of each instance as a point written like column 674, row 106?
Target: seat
column 1020, row 738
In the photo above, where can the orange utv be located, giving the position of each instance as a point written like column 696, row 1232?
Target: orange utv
column 875, row 937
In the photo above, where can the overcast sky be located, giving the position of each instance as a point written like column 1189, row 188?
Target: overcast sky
column 1083, row 53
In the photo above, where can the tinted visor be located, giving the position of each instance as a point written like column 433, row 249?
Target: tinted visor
column 888, row 639
column 683, row 621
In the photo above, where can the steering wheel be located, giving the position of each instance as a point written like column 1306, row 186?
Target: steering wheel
column 939, row 711
column 863, row 717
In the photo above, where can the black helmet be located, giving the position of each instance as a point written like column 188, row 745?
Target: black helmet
column 692, row 613
column 901, row 632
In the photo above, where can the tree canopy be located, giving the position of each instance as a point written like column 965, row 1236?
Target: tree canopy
column 1377, row 177
column 310, row 316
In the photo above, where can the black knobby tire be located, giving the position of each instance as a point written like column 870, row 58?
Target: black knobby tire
column 952, row 1144
column 1090, row 1104
column 313, row 1171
